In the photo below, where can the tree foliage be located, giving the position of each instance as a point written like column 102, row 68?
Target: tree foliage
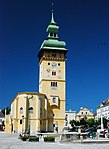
column 72, row 122
column 7, row 110
column 90, row 122
column 83, row 122
column 105, row 121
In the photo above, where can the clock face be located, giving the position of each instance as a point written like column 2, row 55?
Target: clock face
column 54, row 64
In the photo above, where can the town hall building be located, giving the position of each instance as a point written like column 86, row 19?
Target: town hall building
column 43, row 111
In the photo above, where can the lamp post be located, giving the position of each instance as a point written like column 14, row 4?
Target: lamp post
column 5, row 119
column 102, row 127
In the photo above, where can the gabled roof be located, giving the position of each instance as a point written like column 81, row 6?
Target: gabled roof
column 104, row 103
column 84, row 109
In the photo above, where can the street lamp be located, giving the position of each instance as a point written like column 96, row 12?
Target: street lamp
column 102, row 127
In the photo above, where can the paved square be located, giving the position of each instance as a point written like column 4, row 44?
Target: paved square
column 11, row 141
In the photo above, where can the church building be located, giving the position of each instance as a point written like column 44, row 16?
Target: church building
column 44, row 111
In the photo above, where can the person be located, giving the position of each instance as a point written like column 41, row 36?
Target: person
column 20, row 136
column 104, row 132
column 66, row 121
column 108, row 129
column 56, row 129
column 82, row 130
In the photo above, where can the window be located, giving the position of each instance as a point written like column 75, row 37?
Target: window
column 51, row 34
column 53, row 55
column 106, row 108
column 30, row 110
column 54, row 34
column 54, row 99
column 86, row 113
column 58, row 64
column 48, row 54
column 20, row 121
column 53, row 73
column 48, row 63
column 21, row 110
column 53, row 83
column 81, row 112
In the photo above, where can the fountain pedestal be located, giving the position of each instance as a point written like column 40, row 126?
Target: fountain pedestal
column 65, row 129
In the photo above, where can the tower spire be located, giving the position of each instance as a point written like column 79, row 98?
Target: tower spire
column 52, row 18
column 52, row 5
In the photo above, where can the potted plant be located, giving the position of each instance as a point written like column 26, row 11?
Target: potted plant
column 49, row 139
column 24, row 138
column 33, row 138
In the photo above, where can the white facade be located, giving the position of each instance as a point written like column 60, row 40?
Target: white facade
column 71, row 115
column 103, row 110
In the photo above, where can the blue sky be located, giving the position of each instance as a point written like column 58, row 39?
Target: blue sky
column 84, row 25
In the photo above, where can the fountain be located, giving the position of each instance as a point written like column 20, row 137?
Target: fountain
column 66, row 135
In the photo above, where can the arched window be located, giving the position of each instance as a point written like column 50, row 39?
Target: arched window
column 54, row 99
column 51, row 34
column 54, row 34
column 21, row 110
column 30, row 110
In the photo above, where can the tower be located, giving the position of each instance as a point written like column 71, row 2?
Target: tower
column 52, row 76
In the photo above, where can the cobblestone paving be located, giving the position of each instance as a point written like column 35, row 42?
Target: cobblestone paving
column 12, row 142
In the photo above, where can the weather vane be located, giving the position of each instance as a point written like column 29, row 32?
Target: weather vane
column 52, row 6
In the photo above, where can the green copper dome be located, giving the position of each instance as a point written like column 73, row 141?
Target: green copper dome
column 52, row 39
column 52, row 27
column 53, row 43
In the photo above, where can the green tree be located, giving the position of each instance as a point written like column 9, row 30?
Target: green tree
column 3, row 123
column 7, row 110
column 90, row 122
column 77, row 123
column 98, row 122
column 83, row 122
column 72, row 122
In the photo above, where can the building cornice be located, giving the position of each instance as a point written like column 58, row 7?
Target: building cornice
column 28, row 93
column 52, row 59
column 51, row 80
